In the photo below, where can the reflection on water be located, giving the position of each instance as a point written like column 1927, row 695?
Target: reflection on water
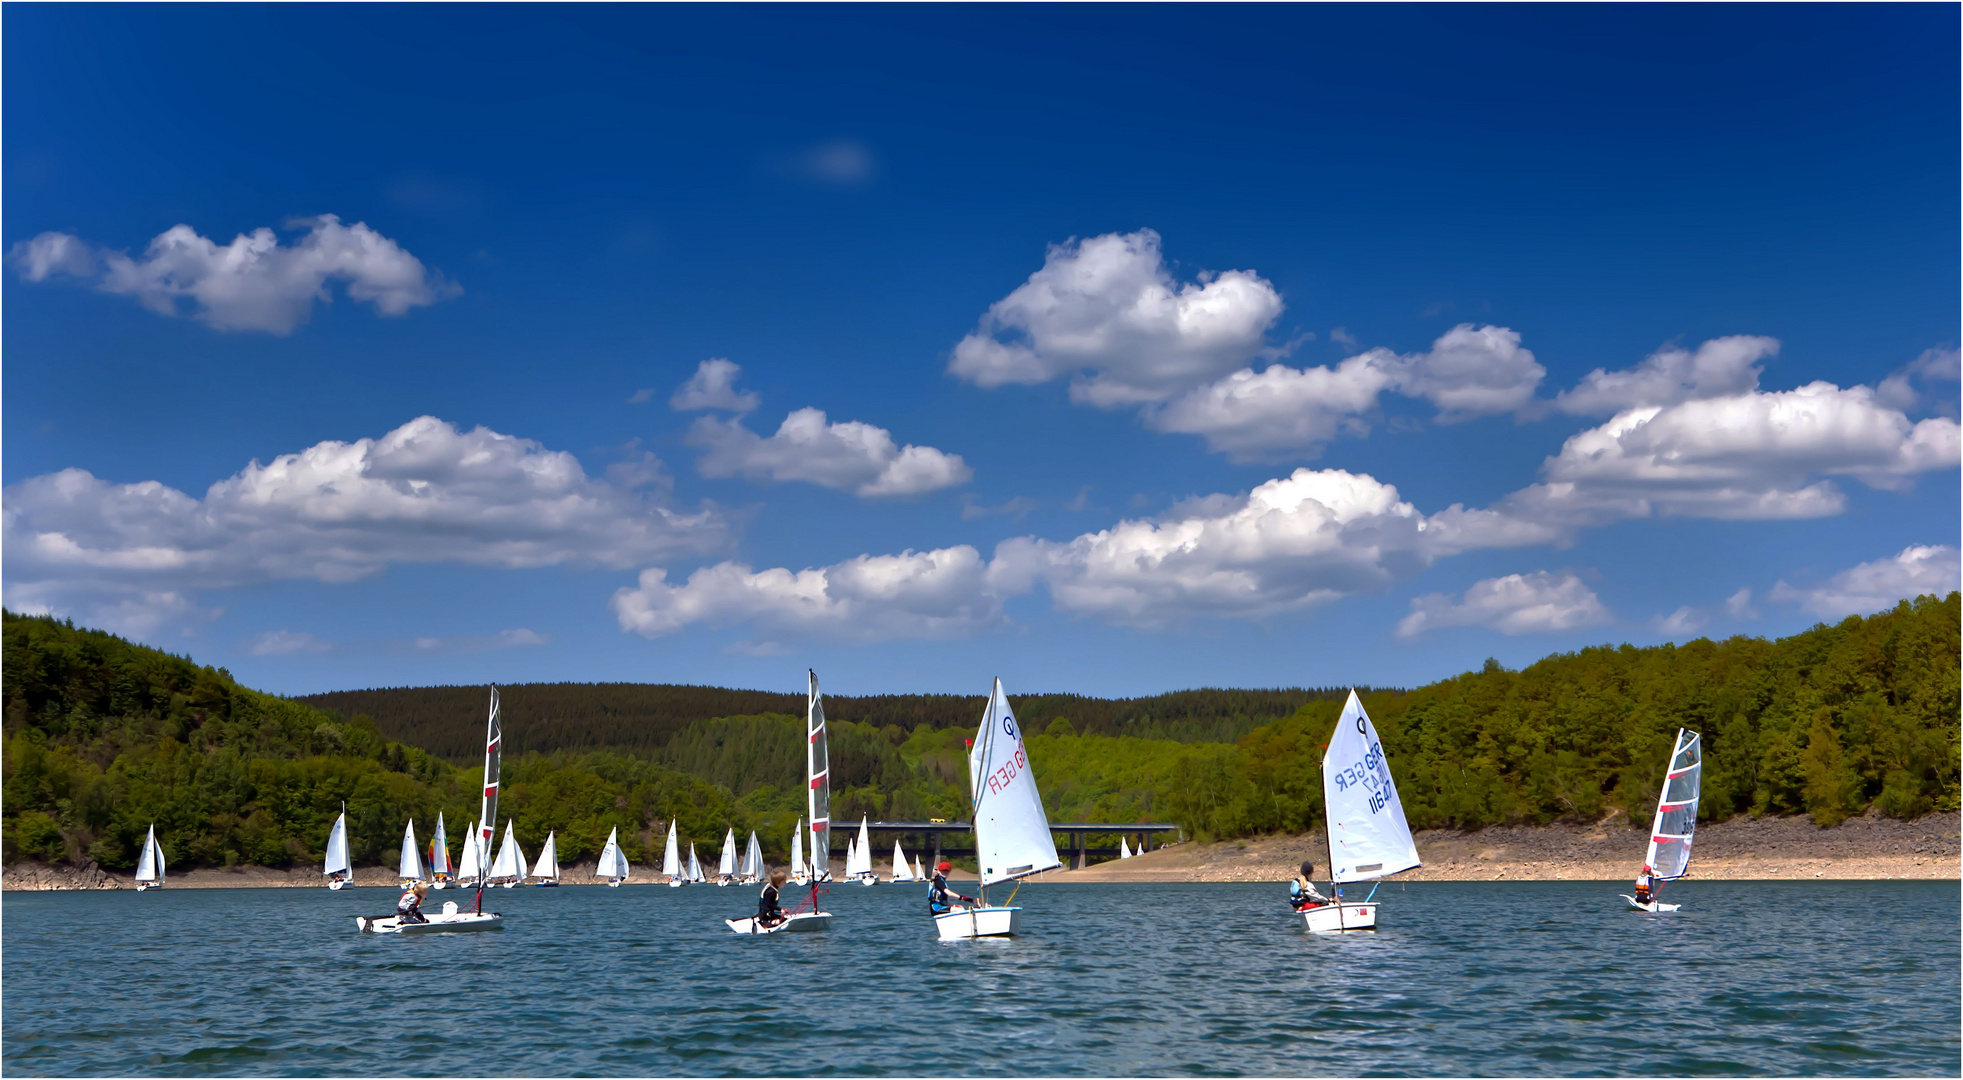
column 1464, row 978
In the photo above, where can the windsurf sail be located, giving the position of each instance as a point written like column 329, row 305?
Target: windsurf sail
column 818, row 776
column 1012, row 833
column 336, row 864
column 613, row 861
column 1676, row 808
column 493, row 771
column 411, row 863
column 1368, row 837
column 726, row 866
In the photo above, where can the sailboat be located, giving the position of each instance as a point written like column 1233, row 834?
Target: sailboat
column 1124, row 848
column 807, row 914
column 1670, row 833
column 613, row 861
column 671, row 860
column 919, row 874
column 150, row 864
column 752, row 869
column 410, row 869
column 337, row 868
column 694, row 866
column 470, row 871
column 859, row 865
column 800, row 874
column 1367, row 835
column 726, row 866
column 452, row 918
column 1012, row 834
column 900, row 872
column 546, row 873
column 439, row 856
column 508, row 869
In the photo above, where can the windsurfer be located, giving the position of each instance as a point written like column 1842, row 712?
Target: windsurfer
column 1302, row 893
column 769, row 913
column 938, row 894
column 409, row 908
column 1645, row 885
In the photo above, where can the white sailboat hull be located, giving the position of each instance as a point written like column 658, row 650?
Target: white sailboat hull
column 338, row 884
column 1652, row 907
column 964, row 923
column 146, row 886
column 804, row 923
column 1340, row 918
column 439, row 923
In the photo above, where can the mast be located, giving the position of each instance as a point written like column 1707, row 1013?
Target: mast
column 493, row 754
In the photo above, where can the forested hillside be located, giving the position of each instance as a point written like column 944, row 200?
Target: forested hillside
column 102, row 737
column 642, row 718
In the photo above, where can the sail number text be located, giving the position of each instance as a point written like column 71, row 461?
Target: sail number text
column 1010, row 769
column 1364, row 773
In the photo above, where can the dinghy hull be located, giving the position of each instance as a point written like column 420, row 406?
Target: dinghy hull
column 1340, row 918
column 437, row 924
column 797, row 924
column 964, row 923
column 1652, row 907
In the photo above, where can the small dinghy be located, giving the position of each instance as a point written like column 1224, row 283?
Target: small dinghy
column 671, row 860
column 336, row 866
column 1367, row 835
column 800, row 875
column 508, row 869
column 752, row 870
column 694, row 867
column 919, row 874
column 150, row 864
column 613, row 861
column 448, row 921
column 1012, row 833
column 1675, row 824
column 809, row 914
column 410, row 867
column 726, row 865
column 901, row 874
column 470, row 868
column 858, row 858
column 439, row 856
column 546, row 874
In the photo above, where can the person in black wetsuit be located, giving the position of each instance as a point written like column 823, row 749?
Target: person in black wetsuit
column 938, row 894
column 769, row 913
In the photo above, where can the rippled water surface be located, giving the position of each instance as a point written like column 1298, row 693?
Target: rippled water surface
column 1464, row 978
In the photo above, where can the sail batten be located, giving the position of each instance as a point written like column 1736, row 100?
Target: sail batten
column 1368, row 836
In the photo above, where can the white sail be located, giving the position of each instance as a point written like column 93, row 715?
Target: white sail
column 613, row 861
column 493, row 774
column 900, row 871
column 726, row 866
column 1367, row 834
column 149, row 865
column 919, row 873
column 1676, row 808
column 1124, row 848
column 337, row 849
column 157, row 854
column 439, row 852
column 818, row 780
column 411, row 866
column 865, row 850
column 510, row 861
column 470, row 865
column 753, row 858
column 694, row 865
column 671, row 858
column 797, row 849
column 547, row 867
column 1012, row 833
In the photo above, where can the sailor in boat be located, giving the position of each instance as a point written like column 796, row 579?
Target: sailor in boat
column 1302, row 894
column 769, row 912
column 409, row 907
column 1645, row 885
column 938, row 894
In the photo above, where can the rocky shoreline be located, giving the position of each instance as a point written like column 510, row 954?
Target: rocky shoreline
column 1865, row 848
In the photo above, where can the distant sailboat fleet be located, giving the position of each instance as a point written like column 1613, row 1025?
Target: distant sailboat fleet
column 1365, row 831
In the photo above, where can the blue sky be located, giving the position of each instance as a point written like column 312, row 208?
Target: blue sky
column 1155, row 347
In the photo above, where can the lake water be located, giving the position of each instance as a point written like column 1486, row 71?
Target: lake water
column 1464, row 978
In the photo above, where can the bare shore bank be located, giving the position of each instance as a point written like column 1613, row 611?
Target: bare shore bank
column 1864, row 848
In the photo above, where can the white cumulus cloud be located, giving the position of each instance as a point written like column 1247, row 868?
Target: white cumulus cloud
column 847, row 456
column 1253, row 415
column 252, row 283
column 942, row 593
column 1940, row 364
column 1721, row 367
column 1536, row 603
column 1878, row 585
column 1471, row 371
column 426, row 492
column 1108, row 312
column 713, row 386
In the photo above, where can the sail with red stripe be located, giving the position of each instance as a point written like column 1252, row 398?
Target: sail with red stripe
column 493, row 760
column 1676, row 808
column 817, row 761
